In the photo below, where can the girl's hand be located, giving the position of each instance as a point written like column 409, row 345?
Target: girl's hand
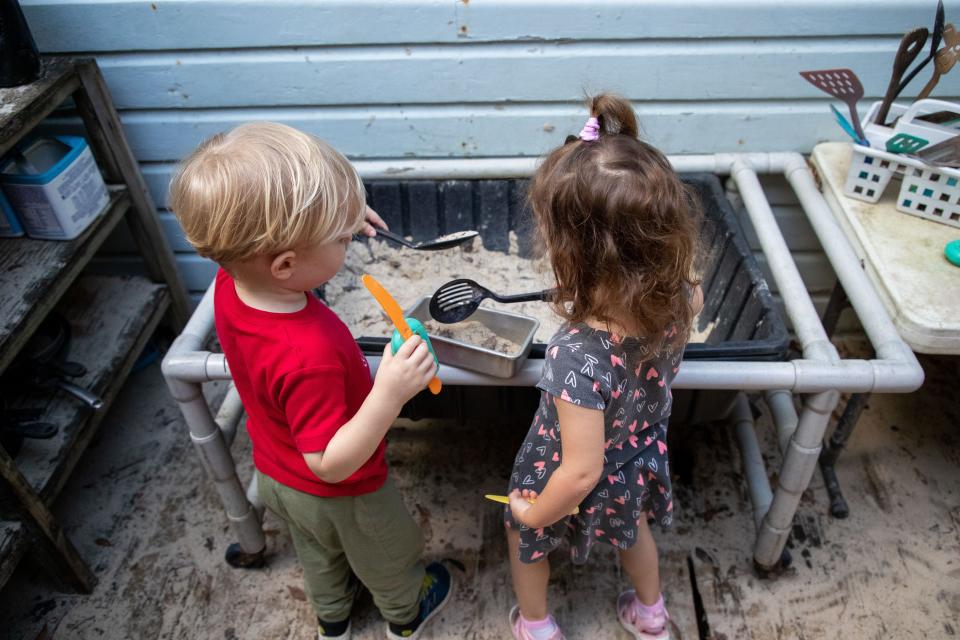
column 520, row 503
column 373, row 220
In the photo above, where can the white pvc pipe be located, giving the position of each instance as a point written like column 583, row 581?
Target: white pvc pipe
column 799, row 376
column 200, row 323
column 446, row 169
column 799, row 463
column 753, row 467
column 184, row 368
column 184, row 360
column 215, row 457
column 870, row 311
column 512, row 167
column 230, row 414
column 784, row 415
column 253, row 496
column 806, row 322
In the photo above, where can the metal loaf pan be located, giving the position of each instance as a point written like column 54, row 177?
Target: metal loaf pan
column 512, row 326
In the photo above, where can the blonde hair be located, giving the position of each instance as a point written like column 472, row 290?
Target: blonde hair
column 263, row 188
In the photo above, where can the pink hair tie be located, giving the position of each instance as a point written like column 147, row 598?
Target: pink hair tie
column 591, row 130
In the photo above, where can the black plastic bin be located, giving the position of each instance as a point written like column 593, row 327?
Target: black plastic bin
column 737, row 300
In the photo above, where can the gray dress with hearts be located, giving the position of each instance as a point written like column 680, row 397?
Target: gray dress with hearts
column 599, row 370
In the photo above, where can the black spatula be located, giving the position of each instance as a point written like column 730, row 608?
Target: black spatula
column 458, row 299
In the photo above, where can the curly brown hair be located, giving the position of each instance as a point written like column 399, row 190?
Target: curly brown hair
column 620, row 229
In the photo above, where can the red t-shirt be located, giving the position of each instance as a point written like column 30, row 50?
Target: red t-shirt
column 301, row 376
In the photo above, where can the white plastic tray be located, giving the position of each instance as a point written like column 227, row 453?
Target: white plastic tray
column 902, row 256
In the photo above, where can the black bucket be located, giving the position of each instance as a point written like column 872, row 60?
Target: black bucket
column 747, row 325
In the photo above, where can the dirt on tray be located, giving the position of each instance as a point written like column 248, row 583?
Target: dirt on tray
column 475, row 333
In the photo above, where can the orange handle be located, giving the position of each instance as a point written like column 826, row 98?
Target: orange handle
column 405, row 332
column 395, row 313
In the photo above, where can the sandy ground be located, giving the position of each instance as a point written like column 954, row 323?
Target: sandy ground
column 140, row 509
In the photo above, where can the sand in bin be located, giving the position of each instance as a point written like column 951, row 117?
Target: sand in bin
column 475, row 333
column 410, row 275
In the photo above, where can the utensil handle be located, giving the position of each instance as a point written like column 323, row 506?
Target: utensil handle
column 91, row 400
column 526, row 297
column 506, row 500
column 395, row 313
column 857, row 126
column 910, row 76
column 930, row 85
column 845, row 125
column 405, row 332
column 936, row 36
column 376, row 345
column 390, row 235
column 907, row 52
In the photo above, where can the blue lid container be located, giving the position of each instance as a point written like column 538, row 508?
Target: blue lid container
column 9, row 223
column 53, row 184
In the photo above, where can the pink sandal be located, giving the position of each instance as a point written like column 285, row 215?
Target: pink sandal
column 643, row 622
column 521, row 631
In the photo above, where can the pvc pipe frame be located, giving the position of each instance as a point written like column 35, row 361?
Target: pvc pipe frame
column 753, row 468
column 821, row 372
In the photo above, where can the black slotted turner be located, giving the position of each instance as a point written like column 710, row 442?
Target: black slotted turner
column 458, row 299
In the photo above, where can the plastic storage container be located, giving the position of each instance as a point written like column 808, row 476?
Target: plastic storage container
column 908, row 119
column 9, row 223
column 745, row 323
column 54, row 186
column 926, row 191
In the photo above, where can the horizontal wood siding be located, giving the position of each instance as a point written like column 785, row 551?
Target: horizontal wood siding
column 479, row 78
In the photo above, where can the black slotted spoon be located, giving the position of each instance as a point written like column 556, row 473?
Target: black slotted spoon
column 458, row 299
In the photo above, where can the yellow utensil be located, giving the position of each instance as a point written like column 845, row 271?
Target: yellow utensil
column 395, row 313
column 506, row 500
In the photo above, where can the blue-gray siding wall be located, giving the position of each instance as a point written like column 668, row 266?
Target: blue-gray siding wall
column 457, row 78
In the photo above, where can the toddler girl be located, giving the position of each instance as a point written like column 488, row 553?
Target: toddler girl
column 620, row 230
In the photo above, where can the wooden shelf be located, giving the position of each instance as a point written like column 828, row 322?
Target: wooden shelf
column 34, row 274
column 13, row 542
column 22, row 108
column 111, row 318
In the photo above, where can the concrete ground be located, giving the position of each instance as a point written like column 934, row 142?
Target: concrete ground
column 141, row 511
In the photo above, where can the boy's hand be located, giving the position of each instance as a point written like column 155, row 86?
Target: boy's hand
column 373, row 220
column 520, row 503
column 404, row 374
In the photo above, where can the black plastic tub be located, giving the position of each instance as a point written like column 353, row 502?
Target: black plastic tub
column 746, row 325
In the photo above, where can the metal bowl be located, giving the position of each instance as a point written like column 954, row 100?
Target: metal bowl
column 512, row 326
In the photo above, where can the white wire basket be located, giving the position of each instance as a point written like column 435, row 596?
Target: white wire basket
column 926, row 191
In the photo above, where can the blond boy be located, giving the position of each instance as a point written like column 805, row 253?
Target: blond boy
column 276, row 209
